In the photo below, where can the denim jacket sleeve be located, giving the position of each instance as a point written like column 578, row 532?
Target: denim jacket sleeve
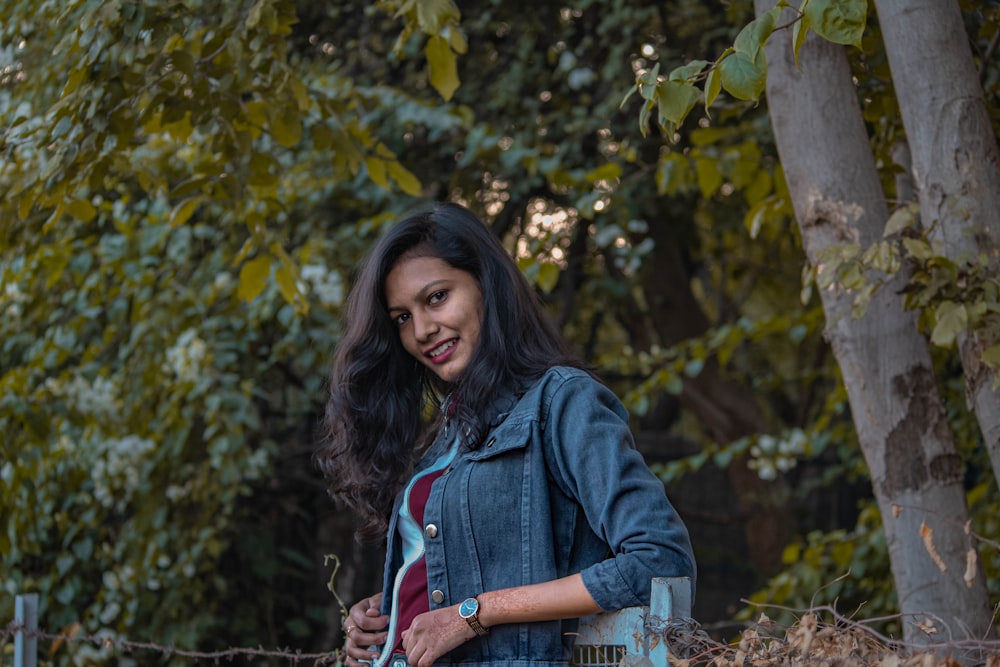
column 591, row 457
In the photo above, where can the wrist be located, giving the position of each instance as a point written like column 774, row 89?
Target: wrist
column 469, row 610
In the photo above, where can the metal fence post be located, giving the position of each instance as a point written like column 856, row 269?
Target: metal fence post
column 26, row 620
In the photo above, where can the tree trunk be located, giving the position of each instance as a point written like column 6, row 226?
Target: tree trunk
column 885, row 362
column 956, row 164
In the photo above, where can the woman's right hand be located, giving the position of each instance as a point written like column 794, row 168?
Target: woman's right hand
column 364, row 626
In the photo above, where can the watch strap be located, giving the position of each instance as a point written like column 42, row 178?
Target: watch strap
column 473, row 618
column 476, row 626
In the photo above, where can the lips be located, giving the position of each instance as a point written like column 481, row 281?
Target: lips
column 438, row 352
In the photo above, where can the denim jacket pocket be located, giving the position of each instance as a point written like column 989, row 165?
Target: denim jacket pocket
column 504, row 438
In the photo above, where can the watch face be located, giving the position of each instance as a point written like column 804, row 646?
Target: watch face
column 468, row 608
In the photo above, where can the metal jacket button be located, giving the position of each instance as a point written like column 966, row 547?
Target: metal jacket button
column 431, row 531
column 437, row 596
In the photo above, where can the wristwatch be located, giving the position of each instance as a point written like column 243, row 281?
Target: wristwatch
column 469, row 610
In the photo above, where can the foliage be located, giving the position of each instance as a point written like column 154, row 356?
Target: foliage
column 187, row 187
column 741, row 69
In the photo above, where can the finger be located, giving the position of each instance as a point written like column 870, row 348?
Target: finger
column 366, row 639
column 374, row 623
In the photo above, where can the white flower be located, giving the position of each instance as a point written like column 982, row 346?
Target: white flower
column 223, row 281
column 115, row 473
column 766, row 470
column 326, row 285
column 187, row 356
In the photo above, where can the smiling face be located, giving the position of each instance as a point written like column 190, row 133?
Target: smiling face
column 438, row 310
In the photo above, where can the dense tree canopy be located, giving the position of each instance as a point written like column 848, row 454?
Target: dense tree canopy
column 187, row 187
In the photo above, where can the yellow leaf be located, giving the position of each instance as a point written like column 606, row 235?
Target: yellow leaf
column 256, row 117
column 253, row 277
column 608, row 171
column 244, row 251
column 377, row 171
column 444, row 66
column 457, row 40
column 76, row 77
column 927, row 535
column 82, row 210
column 970, row 567
column 709, row 178
column 183, row 211
column 548, row 276
column 755, row 218
column 25, row 205
column 54, row 218
column 287, row 126
column 181, row 130
column 285, row 277
column 759, row 188
column 408, row 183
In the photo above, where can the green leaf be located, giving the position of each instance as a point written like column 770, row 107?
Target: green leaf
column 434, row 15
column 723, row 457
column 694, row 367
column 800, row 31
column 991, row 357
column 675, row 100
column 713, row 86
column 919, row 249
column 753, row 37
column 862, row 299
column 253, row 278
column 901, row 218
column 839, row 21
column 743, row 78
column 443, row 65
column 687, row 72
column 951, row 319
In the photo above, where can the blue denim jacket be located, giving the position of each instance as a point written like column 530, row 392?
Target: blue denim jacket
column 556, row 488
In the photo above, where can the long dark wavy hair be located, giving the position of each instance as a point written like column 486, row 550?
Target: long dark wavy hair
column 375, row 414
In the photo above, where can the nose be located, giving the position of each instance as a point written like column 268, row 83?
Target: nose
column 424, row 327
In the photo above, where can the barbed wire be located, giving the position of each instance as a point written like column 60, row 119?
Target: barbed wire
column 127, row 646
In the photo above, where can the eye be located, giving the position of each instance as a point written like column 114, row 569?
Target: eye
column 401, row 319
column 437, row 297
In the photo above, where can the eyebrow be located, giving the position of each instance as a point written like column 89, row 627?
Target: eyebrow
column 432, row 286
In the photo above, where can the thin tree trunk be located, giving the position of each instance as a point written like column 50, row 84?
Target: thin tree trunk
column 956, row 164
column 885, row 362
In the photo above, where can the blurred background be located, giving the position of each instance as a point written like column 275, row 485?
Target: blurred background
column 187, row 188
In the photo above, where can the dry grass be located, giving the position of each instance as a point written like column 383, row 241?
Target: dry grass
column 824, row 637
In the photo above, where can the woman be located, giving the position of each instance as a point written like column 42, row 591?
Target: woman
column 530, row 506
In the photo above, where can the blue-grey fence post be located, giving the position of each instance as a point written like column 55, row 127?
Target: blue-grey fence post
column 25, row 641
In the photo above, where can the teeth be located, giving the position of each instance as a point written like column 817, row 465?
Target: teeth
column 441, row 348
